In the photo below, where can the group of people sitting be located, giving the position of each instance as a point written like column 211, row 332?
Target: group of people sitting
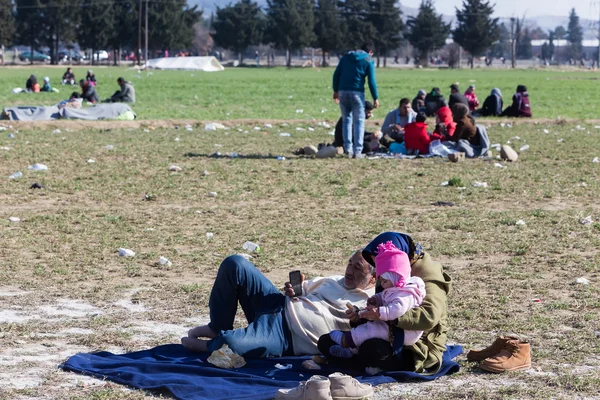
column 126, row 93
column 32, row 85
column 493, row 106
column 405, row 129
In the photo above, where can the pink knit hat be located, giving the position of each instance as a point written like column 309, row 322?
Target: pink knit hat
column 390, row 259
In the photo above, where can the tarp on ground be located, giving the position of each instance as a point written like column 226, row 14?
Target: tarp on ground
column 188, row 376
column 207, row 64
column 98, row 112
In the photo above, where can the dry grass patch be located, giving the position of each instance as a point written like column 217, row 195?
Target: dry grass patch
column 65, row 287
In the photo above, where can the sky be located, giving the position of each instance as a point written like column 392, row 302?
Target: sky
column 587, row 9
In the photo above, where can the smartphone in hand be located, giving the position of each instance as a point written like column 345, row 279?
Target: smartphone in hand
column 296, row 282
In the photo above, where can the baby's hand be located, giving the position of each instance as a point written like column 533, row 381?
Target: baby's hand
column 372, row 301
column 371, row 313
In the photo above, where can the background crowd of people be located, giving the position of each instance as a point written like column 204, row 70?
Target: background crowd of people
column 125, row 94
column 404, row 129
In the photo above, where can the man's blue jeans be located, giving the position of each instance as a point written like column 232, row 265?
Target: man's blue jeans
column 267, row 334
column 352, row 105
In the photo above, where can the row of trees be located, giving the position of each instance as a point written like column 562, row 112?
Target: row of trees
column 523, row 37
column 96, row 24
column 331, row 25
column 337, row 26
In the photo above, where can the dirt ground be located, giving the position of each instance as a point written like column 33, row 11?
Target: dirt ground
column 181, row 123
column 64, row 289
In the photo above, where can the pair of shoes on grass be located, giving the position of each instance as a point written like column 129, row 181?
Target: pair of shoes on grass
column 507, row 353
column 335, row 387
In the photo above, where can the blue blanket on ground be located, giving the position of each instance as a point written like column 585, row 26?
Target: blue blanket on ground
column 187, row 375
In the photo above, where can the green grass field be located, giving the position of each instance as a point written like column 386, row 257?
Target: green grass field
column 277, row 93
column 64, row 289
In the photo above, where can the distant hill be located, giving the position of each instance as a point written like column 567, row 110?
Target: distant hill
column 546, row 22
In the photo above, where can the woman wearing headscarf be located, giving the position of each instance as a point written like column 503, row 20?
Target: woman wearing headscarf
column 418, row 103
column 431, row 316
column 47, row 87
column 465, row 125
column 493, row 104
column 471, row 97
column 434, row 101
column 90, row 78
column 520, row 106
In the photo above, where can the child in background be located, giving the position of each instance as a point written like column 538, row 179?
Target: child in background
column 46, row 87
column 401, row 293
column 471, row 97
column 444, row 124
column 416, row 137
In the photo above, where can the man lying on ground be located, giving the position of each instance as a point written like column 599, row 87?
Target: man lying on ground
column 278, row 324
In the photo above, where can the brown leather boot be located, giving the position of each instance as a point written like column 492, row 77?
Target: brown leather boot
column 515, row 356
column 490, row 351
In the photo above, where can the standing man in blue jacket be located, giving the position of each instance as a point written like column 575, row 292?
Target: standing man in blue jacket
column 349, row 93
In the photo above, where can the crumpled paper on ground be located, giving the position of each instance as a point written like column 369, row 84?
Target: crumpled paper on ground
column 226, row 358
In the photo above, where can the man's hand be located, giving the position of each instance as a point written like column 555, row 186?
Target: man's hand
column 397, row 128
column 336, row 97
column 376, row 103
column 289, row 291
column 352, row 314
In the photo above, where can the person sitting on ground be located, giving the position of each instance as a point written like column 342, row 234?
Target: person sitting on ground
column 125, row 95
column 278, row 324
column 90, row 77
column 456, row 97
column 444, row 124
column 68, row 77
column 493, row 105
column 401, row 292
column 418, row 103
column 88, row 92
column 434, row 101
column 471, row 97
column 431, row 316
column 520, row 107
column 465, row 125
column 32, row 85
column 416, row 138
column 394, row 122
column 46, row 87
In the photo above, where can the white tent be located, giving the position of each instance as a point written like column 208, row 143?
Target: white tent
column 208, row 64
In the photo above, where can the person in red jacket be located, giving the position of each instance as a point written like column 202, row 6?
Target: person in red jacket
column 416, row 136
column 444, row 124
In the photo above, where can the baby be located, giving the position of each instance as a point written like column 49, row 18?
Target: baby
column 401, row 293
